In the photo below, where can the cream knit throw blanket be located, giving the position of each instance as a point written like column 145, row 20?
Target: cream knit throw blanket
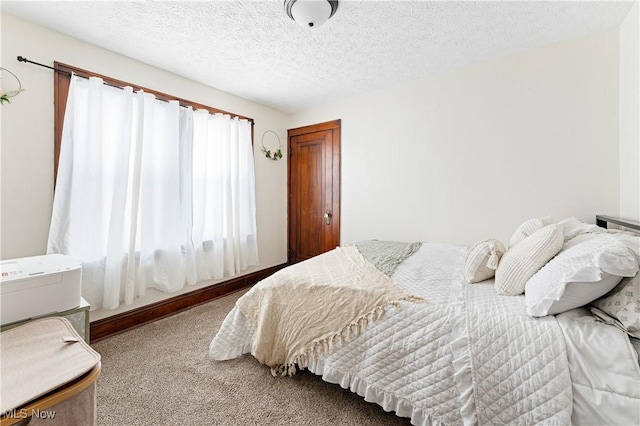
column 304, row 310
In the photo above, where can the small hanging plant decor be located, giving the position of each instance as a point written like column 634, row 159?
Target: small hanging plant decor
column 273, row 153
column 13, row 81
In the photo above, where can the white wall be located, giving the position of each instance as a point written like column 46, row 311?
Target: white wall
column 472, row 153
column 27, row 140
column 629, row 113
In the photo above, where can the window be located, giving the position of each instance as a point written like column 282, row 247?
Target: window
column 150, row 193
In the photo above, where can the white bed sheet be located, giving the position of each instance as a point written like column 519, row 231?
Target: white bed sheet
column 604, row 369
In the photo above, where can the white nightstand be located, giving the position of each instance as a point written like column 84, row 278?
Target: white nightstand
column 78, row 317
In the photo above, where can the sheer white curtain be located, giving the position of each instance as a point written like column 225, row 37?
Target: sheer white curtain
column 223, row 196
column 150, row 194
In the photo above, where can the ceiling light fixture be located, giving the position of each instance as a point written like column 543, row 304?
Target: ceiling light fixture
column 310, row 13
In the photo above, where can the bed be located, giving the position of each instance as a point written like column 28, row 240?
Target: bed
column 442, row 350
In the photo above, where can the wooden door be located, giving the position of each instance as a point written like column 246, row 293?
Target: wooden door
column 314, row 190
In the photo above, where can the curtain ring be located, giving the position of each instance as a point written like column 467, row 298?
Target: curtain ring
column 272, row 155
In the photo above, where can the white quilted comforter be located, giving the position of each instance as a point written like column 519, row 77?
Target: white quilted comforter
column 467, row 356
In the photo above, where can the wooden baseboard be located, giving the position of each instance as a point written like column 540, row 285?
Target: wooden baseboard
column 119, row 323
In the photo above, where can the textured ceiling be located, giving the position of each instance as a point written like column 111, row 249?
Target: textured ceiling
column 253, row 50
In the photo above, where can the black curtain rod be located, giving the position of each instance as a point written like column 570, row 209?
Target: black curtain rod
column 23, row 59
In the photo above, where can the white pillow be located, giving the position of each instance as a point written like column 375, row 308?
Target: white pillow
column 528, row 228
column 587, row 267
column 631, row 240
column 575, row 295
column 482, row 260
column 622, row 306
column 572, row 227
column 525, row 259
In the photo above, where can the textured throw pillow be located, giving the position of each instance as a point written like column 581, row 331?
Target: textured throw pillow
column 587, row 267
column 528, row 228
column 622, row 306
column 525, row 259
column 482, row 260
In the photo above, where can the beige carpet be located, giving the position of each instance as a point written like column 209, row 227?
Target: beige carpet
column 160, row 374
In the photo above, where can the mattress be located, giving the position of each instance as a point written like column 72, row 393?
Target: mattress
column 469, row 356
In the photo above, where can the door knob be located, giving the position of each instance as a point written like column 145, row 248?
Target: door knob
column 327, row 217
